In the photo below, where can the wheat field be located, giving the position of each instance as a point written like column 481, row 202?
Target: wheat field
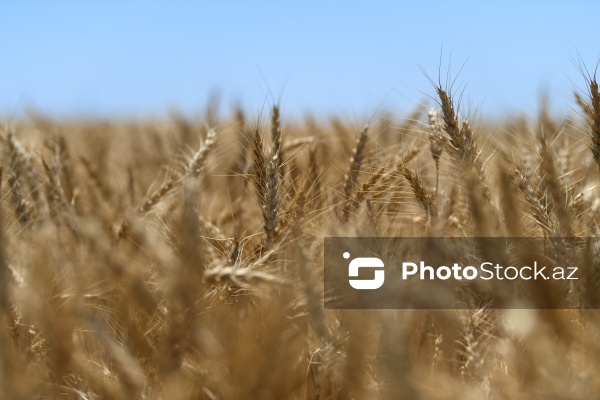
column 183, row 259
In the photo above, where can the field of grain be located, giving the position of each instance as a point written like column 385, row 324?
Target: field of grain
column 183, row 259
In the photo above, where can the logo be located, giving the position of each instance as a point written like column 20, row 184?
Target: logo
column 454, row 273
column 365, row 262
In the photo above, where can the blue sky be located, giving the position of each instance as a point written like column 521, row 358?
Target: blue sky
column 348, row 58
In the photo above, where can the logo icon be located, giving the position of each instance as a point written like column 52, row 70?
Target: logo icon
column 365, row 262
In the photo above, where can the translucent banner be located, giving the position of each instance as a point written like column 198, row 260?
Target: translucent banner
column 446, row 273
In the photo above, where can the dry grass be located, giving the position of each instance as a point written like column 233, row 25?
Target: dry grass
column 134, row 267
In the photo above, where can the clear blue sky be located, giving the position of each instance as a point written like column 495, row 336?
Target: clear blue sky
column 345, row 57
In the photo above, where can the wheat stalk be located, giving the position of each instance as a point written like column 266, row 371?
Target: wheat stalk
column 351, row 180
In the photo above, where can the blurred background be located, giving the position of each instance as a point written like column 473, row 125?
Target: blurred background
column 348, row 58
